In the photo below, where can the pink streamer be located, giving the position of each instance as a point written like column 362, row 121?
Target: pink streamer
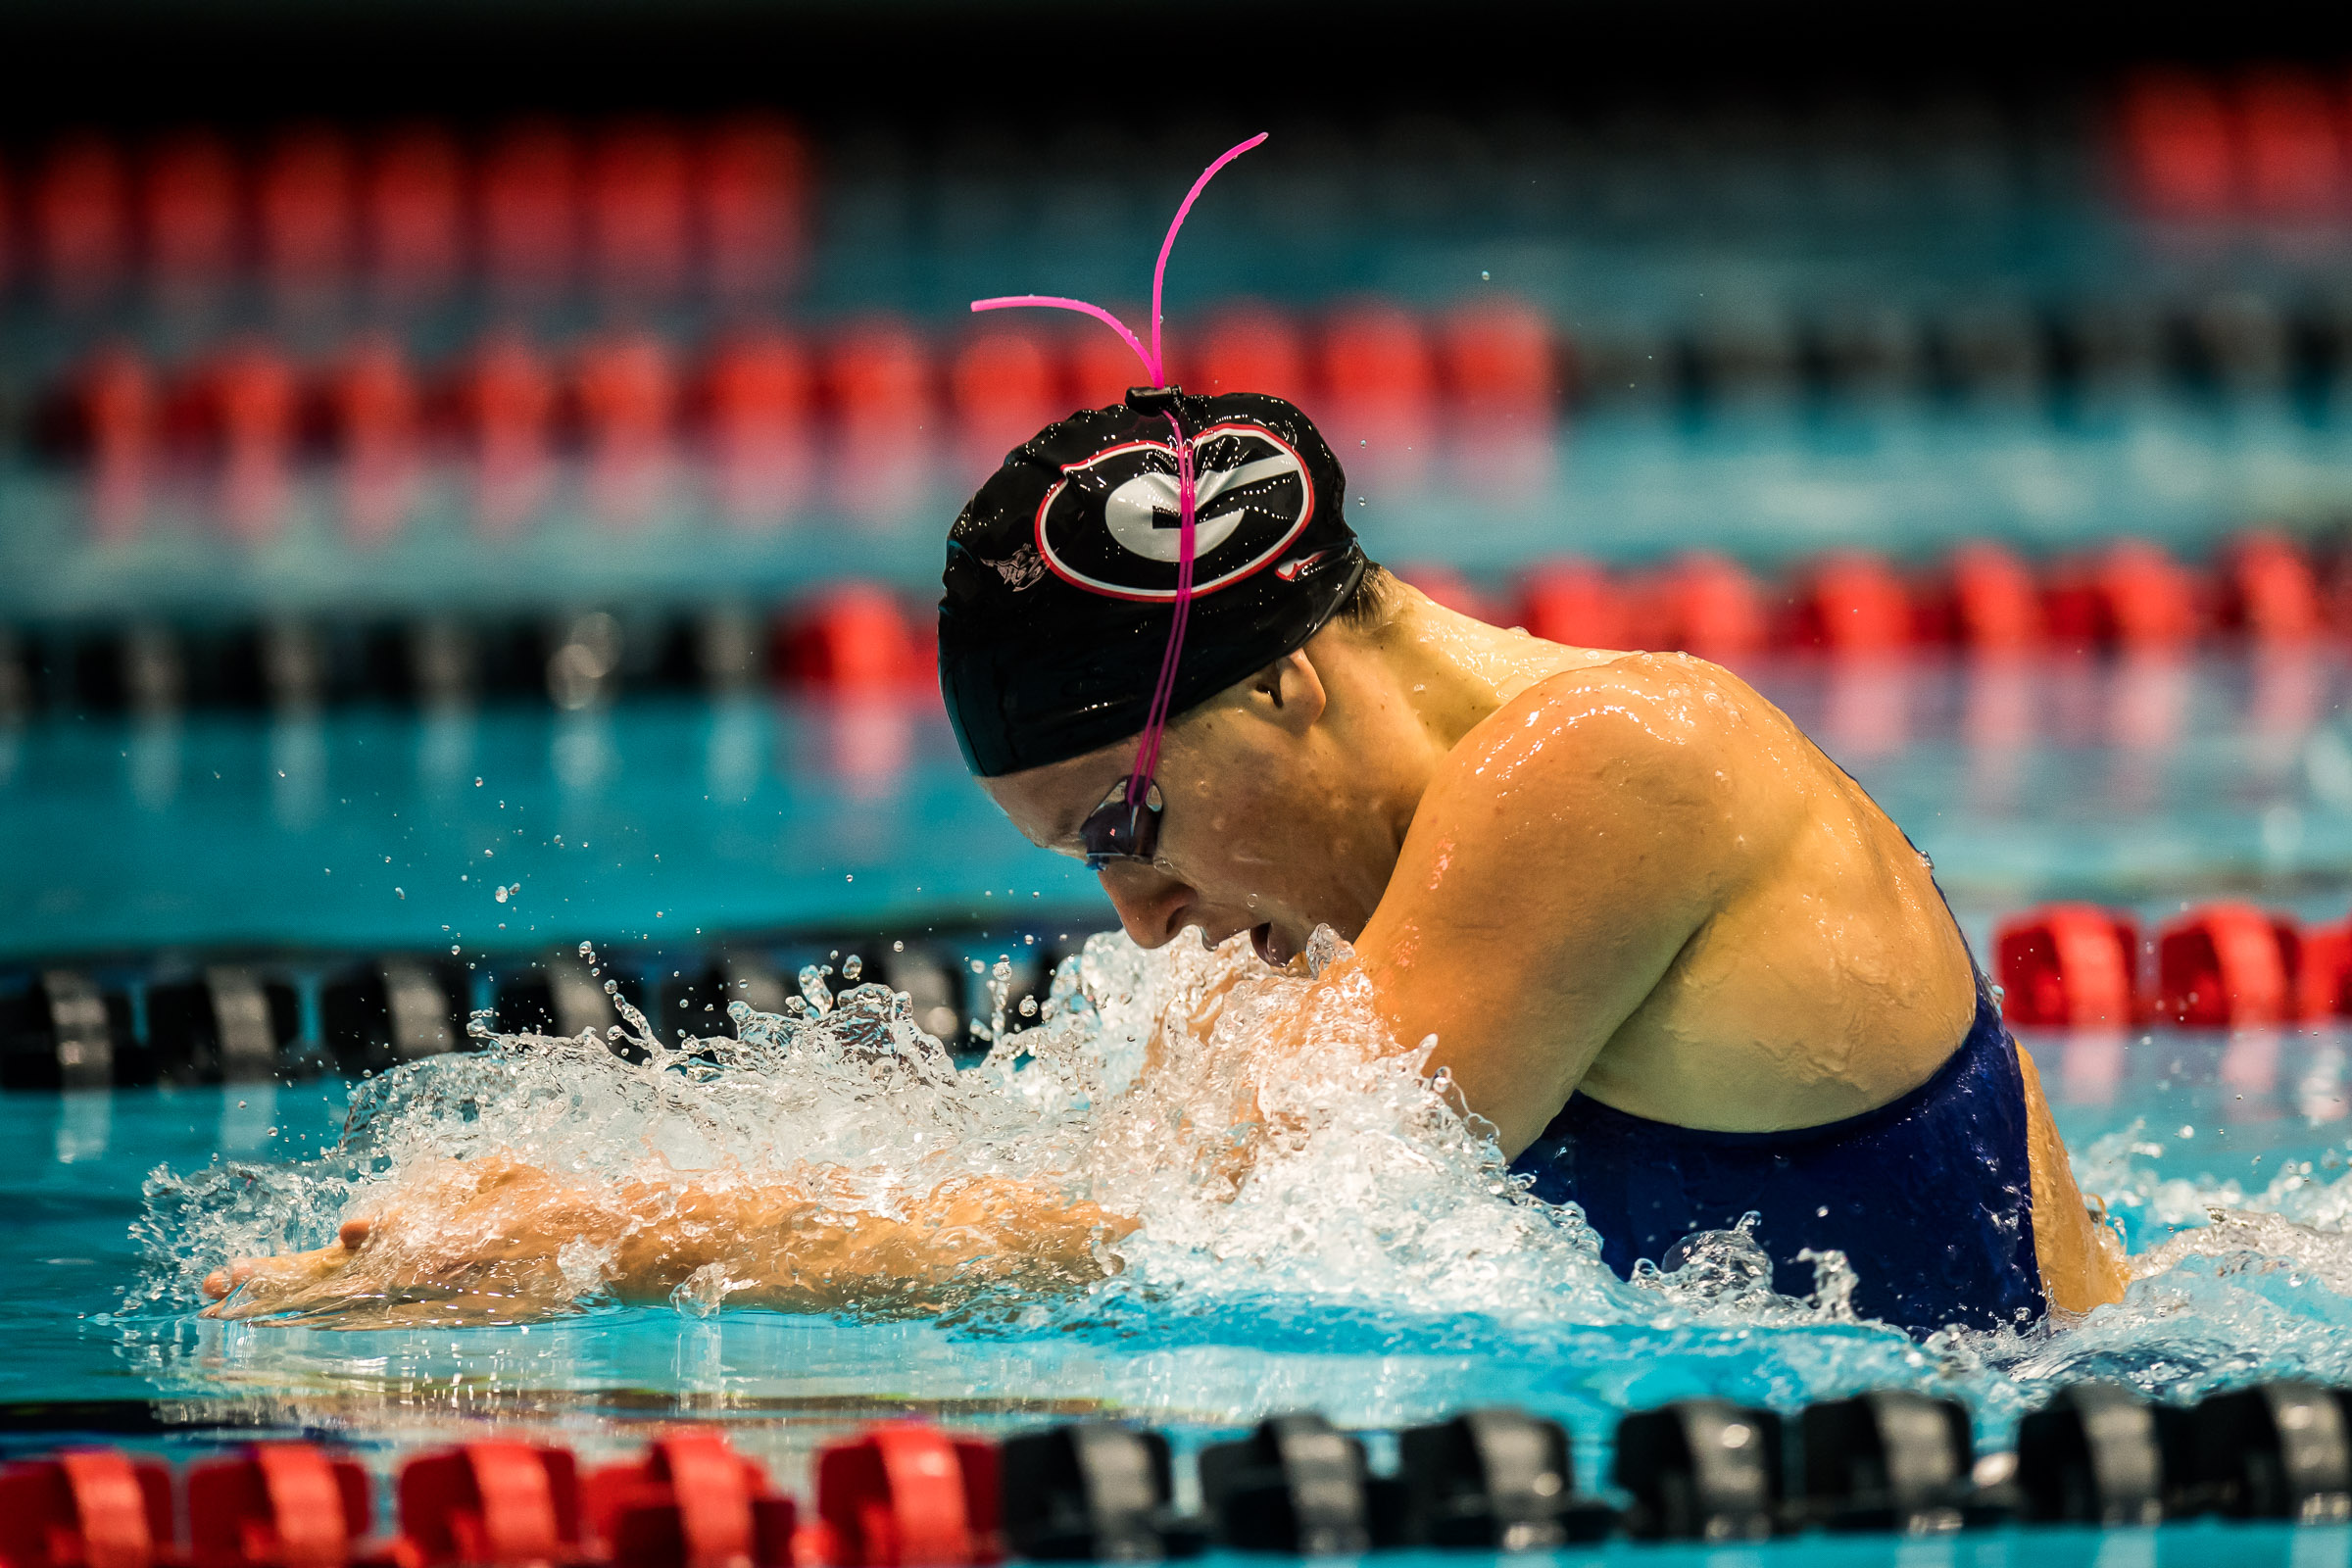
column 1057, row 302
column 1159, row 273
column 1154, row 364
column 1164, row 692
column 1155, row 718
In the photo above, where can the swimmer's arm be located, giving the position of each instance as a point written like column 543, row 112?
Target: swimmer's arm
column 1565, row 854
column 498, row 1240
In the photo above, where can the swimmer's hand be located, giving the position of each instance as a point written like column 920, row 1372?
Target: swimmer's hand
column 472, row 1242
column 497, row 1240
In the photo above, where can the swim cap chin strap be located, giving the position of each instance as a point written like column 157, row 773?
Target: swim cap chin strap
column 1127, row 826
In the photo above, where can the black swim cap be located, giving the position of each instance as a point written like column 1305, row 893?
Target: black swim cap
column 1061, row 572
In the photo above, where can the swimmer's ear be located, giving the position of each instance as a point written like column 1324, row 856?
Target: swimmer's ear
column 1289, row 692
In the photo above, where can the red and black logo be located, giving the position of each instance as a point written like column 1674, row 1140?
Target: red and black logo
column 1111, row 524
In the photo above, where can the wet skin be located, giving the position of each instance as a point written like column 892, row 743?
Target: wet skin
column 1622, row 874
column 1625, row 874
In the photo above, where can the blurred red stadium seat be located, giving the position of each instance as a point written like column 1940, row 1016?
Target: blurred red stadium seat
column 753, row 191
column 374, row 417
column 758, row 388
column 2288, row 147
column 638, row 224
column 530, row 207
column 304, row 203
column 191, row 201
column 415, row 211
column 81, row 215
column 757, row 396
column 1498, row 365
column 506, row 404
column 1100, row 370
column 879, row 374
column 1378, row 403
column 628, row 406
column 627, row 394
column 115, row 415
column 1577, row 604
column 246, row 410
column 1005, row 387
column 1250, row 349
column 2177, row 149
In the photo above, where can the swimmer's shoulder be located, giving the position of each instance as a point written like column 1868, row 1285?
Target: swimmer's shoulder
column 1633, row 701
column 1678, row 750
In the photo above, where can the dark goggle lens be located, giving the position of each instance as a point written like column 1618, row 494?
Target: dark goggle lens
column 1122, row 830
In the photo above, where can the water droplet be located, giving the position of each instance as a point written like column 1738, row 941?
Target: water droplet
column 500, row 894
column 1028, row 1006
column 852, row 967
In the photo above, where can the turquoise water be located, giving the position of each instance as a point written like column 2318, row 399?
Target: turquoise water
column 2146, row 782
column 1375, row 1277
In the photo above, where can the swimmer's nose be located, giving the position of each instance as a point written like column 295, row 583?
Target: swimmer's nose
column 1153, row 906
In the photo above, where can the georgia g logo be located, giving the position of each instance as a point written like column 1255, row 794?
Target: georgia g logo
column 1111, row 525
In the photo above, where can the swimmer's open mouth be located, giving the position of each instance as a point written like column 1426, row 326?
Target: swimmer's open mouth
column 1262, row 939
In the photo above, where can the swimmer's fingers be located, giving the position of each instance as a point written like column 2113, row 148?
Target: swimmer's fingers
column 253, row 1286
column 277, row 1275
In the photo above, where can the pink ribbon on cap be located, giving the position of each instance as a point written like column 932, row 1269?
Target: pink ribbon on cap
column 1155, row 718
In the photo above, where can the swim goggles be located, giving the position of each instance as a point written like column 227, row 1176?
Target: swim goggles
column 1125, row 827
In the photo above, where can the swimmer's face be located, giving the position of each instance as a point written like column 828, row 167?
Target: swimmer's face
column 1258, row 831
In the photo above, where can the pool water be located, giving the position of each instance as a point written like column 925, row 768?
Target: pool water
column 2143, row 781
column 1408, row 1289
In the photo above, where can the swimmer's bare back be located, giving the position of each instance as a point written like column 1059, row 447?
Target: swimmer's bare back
column 1638, row 880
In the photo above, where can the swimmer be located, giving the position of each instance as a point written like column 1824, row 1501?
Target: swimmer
column 1675, row 957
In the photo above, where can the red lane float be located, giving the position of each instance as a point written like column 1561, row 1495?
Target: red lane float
column 691, row 1503
column 1703, row 603
column 906, row 1495
column 2268, row 591
column 856, row 639
column 1986, row 602
column 2227, row 965
column 86, row 1508
column 492, row 1505
column 280, row 1506
column 1851, row 603
column 2131, row 596
column 2324, row 972
column 2070, row 967
column 1576, row 603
